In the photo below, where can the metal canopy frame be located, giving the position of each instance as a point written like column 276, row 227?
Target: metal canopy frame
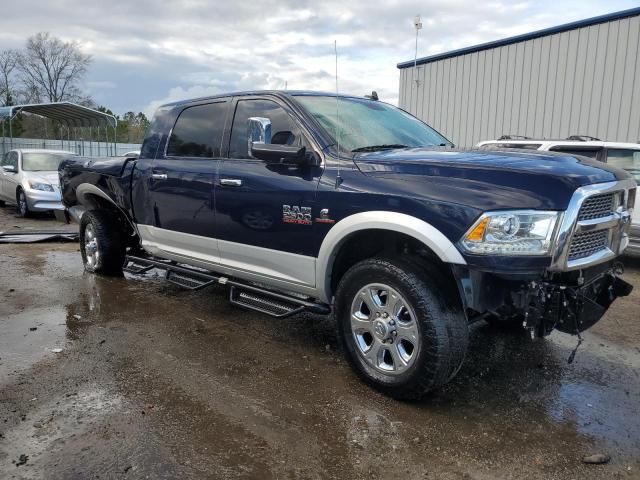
column 68, row 114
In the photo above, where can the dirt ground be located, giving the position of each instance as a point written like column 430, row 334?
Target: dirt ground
column 135, row 378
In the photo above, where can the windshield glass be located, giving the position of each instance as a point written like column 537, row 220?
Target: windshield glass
column 37, row 162
column 369, row 125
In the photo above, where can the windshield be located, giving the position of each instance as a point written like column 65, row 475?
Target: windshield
column 37, row 162
column 369, row 125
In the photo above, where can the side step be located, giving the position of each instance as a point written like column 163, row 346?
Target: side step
column 139, row 268
column 264, row 302
column 189, row 281
column 274, row 303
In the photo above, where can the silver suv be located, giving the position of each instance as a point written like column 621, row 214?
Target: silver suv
column 621, row 155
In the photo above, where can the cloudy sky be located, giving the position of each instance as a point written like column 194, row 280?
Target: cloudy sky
column 149, row 52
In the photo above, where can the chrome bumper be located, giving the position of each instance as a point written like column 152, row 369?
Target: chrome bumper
column 633, row 249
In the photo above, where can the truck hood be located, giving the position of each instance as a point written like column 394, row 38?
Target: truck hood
column 488, row 179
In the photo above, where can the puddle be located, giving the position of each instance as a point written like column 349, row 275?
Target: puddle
column 21, row 347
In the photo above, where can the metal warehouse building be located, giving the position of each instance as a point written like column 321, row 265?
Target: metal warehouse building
column 582, row 78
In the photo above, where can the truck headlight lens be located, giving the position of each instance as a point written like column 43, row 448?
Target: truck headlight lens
column 45, row 187
column 515, row 232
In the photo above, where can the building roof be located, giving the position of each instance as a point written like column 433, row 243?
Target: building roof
column 527, row 36
column 70, row 114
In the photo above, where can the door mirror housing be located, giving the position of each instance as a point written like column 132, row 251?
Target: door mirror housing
column 260, row 146
column 9, row 168
column 285, row 154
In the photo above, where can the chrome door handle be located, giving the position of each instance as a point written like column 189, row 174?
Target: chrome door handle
column 231, row 182
column 159, row 176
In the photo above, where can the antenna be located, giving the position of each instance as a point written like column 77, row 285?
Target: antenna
column 338, row 178
column 417, row 23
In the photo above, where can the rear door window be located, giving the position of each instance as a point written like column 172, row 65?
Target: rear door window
column 198, row 131
column 626, row 159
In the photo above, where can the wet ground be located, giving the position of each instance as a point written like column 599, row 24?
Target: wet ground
column 134, row 378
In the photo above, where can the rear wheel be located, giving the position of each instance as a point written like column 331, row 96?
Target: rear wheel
column 23, row 206
column 101, row 243
column 398, row 328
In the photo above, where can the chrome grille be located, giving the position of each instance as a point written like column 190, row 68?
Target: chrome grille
column 597, row 206
column 586, row 244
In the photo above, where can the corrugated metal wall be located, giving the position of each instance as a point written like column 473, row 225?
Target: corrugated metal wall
column 584, row 81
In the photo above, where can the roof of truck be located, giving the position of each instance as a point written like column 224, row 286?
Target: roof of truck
column 280, row 93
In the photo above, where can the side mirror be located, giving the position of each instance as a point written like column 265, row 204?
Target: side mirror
column 9, row 168
column 260, row 146
column 258, row 132
column 279, row 153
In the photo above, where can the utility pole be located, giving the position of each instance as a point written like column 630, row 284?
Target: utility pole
column 417, row 23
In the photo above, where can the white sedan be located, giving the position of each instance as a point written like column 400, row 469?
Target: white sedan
column 29, row 179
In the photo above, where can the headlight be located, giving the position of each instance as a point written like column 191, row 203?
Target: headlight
column 45, row 187
column 515, row 232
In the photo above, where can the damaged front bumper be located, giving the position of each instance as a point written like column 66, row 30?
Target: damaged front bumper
column 570, row 301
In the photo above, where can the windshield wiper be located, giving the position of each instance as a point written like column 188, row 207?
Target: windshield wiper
column 374, row 148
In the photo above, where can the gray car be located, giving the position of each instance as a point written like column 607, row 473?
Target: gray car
column 29, row 179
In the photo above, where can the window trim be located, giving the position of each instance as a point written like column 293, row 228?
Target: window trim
column 225, row 100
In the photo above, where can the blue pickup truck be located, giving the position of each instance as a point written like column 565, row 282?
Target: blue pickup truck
column 306, row 201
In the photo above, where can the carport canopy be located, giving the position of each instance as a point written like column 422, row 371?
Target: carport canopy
column 70, row 114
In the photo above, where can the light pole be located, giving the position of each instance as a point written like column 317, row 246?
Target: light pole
column 417, row 23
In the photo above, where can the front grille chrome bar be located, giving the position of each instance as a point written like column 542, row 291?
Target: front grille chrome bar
column 617, row 222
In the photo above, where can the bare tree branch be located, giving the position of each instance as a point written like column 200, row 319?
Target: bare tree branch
column 8, row 64
column 52, row 69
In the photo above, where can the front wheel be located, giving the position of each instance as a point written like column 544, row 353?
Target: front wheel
column 23, row 206
column 101, row 243
column 399, row 328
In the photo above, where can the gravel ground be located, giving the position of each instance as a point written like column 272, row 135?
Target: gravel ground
column 134, row 378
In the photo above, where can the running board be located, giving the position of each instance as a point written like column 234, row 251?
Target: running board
column 264, row 303
column 276, row 304
column 189, row 281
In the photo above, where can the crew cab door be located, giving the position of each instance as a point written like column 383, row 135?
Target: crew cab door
column 179, row 218
column 251, row 196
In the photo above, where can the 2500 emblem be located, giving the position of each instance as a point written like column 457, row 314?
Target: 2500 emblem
column 297, row 215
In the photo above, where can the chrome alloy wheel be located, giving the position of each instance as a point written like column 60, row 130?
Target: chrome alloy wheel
column 385, row 329
column 91, row 248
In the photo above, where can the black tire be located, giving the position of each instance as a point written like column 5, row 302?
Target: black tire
column 110, row 243
column 441, row 325
column 21, row 204
column 2, row 203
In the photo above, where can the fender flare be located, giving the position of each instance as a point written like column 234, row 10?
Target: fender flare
column 85, row 189
column 422, row 231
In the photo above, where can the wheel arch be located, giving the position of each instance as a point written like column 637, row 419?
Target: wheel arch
column 405, row 225
column 92, row 198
